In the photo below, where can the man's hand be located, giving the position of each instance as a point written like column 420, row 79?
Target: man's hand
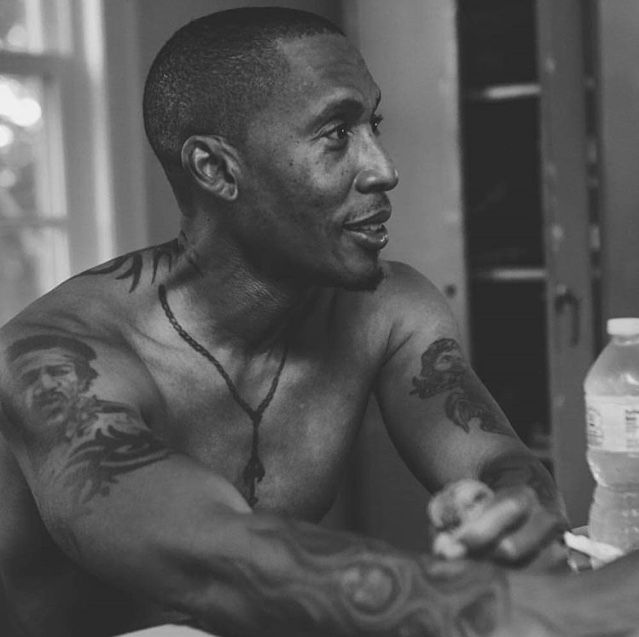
column 509, row 526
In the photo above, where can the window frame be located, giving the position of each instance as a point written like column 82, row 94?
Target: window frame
column 79, row 166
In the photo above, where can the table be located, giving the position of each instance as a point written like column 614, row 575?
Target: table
column 170, row 630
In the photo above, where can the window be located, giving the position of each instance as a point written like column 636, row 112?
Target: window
column 34, row 252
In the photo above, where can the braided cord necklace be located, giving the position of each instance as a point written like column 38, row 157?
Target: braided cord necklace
column 254, row 471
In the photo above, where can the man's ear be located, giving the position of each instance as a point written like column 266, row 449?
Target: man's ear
column 213, row 163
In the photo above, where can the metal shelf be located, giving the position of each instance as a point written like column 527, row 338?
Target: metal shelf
column 512, row 274
column 503, row 92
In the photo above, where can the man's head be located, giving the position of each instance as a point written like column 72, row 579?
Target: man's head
column 268, row 116
column 52, row 372
column 216, row 72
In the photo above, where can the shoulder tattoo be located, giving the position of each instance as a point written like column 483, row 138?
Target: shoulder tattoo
column 130, row 267
column 445, row 370
column 93, row 441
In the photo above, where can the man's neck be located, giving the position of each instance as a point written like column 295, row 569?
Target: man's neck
column 215, row 289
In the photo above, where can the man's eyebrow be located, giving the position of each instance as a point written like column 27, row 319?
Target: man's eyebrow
column 346, row 106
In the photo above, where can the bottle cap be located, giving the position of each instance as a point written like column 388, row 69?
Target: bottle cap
column 622, row 326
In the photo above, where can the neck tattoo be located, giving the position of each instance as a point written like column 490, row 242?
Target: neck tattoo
column 254, row 471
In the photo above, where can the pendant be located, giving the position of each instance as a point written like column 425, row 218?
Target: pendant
column 253, row 472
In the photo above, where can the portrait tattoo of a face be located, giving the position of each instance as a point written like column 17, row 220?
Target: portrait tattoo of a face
column 53, row 373
column 98, row 439
column 445, row 370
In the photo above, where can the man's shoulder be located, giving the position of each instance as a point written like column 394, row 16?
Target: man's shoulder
column 402, row 289
column 54, row 334
column 404, row 304
column 48, row 325
column 417, row 303
column 97, row 300
column 72, row 307
column 81, row 310
column 402, row 279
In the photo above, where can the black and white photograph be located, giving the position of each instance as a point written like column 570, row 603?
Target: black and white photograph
column 319, row 318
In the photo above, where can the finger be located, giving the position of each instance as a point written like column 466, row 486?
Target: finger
column 458, row 501
column 446, row 547
column 537, row 531
column 503, row 515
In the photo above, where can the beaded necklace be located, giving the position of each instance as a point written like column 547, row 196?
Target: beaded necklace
column 254, row 471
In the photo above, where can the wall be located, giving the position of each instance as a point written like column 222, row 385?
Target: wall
column 126, row 150
column 619, row 122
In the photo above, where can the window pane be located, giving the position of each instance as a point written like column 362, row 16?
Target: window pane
column 27, row 188
column 32, row 261
column 21, row 25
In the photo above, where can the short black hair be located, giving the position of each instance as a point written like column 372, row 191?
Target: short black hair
column 216, row 72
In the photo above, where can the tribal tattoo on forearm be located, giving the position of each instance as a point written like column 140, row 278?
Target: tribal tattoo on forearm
column 444, row 369
column 343, row 585
column 93, row 441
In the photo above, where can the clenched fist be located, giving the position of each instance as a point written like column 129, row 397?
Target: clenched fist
column 510, row 526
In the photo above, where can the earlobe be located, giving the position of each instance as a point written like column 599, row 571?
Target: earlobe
column 212, row 164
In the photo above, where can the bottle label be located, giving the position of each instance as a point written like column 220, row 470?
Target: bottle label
column 613, row 423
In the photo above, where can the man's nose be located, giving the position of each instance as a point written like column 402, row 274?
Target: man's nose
column 378, row 172
column 46, row 381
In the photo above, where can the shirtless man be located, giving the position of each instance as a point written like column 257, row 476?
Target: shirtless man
column 177, row 420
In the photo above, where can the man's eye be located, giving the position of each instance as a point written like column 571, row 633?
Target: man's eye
column 339, row 133
column 376, row 121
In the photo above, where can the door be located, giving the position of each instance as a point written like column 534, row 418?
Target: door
column 569, row 209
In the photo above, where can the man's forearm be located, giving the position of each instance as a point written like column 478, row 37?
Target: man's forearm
column 299, row 579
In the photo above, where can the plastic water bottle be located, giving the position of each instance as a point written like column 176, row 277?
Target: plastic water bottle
column 612, row 413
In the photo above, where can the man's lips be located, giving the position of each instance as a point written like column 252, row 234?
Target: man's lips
column 370, row 231
column 377, row 219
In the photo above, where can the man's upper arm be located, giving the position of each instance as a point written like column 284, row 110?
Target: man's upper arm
column 72, row 414
column 441, row 418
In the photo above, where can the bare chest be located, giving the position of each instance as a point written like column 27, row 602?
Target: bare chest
column 300, row 442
